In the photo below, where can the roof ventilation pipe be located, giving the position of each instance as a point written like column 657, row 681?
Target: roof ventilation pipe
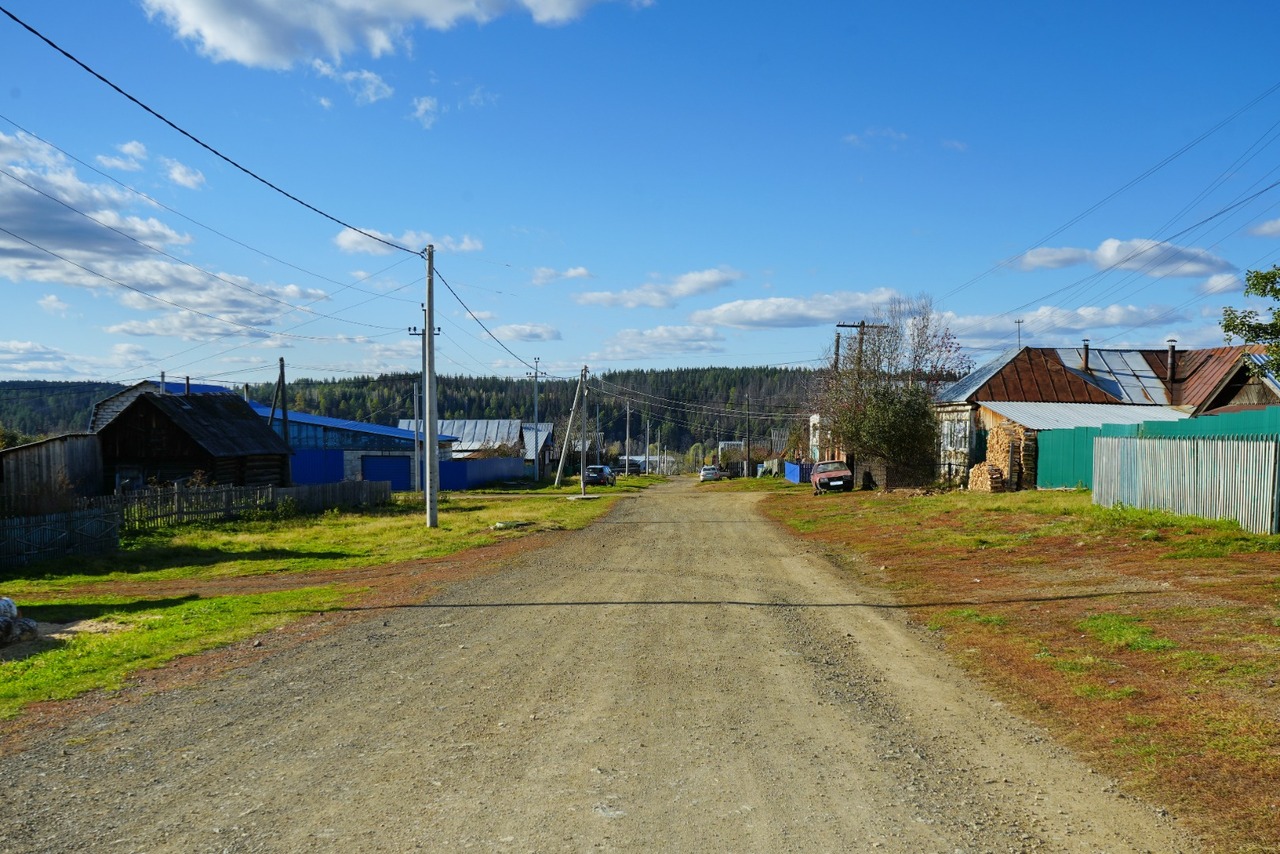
column 1172, row 369
column 1086, row 355
column 186, row 389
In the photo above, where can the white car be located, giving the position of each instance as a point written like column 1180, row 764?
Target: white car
column 708, row 473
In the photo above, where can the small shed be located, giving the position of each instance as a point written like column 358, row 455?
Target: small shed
column 166, row 438
column 43, row 477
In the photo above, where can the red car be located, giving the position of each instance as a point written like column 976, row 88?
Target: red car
column 829, row 475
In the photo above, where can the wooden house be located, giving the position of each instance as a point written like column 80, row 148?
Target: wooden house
column 167, row 438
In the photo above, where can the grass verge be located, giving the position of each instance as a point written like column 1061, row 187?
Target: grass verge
column 179, row 591
column 1148, row 642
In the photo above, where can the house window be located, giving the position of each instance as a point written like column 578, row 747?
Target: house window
column 955, row 435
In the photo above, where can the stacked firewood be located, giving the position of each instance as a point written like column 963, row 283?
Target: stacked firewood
column 985, row 477
column 1011, row 450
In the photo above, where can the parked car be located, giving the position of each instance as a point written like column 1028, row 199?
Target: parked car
column 708, row 473
column 599, row 476
column 831, row 474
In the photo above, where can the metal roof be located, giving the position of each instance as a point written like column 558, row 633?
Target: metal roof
column 1064, row 416
column 543, row 437
column 338, row 423
column 963, row 388
column 472, row 434
column 1126, row 375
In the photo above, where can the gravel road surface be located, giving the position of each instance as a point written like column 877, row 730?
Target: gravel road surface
column 680, row 677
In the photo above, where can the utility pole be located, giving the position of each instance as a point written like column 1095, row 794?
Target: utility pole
column 431, row 429
column 582, row 466
column 747, row 473
column 599, row 436
column 646, row 446
column 537, row 443
column 835, row 362
column 568, row 430
column 627, row 444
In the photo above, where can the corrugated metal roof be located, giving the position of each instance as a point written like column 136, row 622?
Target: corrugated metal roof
column 1063, row 416
column 965, row 387
column 531, row 441
column 474, row 434
column 336, row 423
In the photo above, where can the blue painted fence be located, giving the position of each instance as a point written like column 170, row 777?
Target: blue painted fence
column 798, row 472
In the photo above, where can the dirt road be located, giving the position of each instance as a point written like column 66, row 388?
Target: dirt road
column 678, row 677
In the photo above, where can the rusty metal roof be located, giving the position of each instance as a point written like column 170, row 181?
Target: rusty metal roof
column 1132, row 377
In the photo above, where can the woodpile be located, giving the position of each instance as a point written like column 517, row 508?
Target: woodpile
column 1011, row 451
column 985, row 477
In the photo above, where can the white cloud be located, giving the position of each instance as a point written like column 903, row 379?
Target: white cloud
column 1151, row 257
column 30, row 357
column 130, row 160
column 1222, row 283
column 794, row 312
column 1270, row 228
column 955, row 145
column 351, row 241
column 875, row 134
column 366, row 87
column 547, row 275
column 184, row 176
column 661, row 341
column 527, row 332
column 426, row 110
column 1056, row 326
column 658, row 295
column 275, row 34
column 52, row 305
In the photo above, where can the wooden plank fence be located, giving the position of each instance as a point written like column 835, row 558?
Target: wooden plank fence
column 1216, row 478
column 96, row 523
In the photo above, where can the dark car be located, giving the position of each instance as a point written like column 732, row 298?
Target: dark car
column 599, row 476
column 831, row 474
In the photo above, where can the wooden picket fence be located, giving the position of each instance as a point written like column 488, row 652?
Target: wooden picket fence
column 95, row 525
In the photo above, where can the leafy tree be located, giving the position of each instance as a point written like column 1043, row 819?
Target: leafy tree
column 876, row 401
column 1245, row 323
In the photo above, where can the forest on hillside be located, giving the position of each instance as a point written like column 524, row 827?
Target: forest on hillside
column 681, row 407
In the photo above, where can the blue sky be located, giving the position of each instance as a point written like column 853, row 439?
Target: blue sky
column 642, row 184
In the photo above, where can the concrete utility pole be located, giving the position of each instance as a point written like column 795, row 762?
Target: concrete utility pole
column 626, row 447
column 568, row 430
column 416, row 480
column 431, row 429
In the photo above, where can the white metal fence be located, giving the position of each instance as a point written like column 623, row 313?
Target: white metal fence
column 1217, row 478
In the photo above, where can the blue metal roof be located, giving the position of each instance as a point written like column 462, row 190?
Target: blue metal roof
column 342, row 424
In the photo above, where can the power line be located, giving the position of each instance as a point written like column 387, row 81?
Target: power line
column 207, row 147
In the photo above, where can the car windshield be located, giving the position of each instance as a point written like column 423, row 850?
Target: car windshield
column 821, row 467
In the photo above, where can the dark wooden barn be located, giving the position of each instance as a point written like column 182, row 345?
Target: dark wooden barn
column 168, row 438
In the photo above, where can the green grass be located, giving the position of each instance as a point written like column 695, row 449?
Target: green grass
column 148, row 631
column 144, row 634
column 1120, row 631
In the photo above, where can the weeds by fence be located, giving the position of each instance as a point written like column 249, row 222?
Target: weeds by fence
column 95, row 524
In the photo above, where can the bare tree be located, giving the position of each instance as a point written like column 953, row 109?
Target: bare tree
column 876, row 398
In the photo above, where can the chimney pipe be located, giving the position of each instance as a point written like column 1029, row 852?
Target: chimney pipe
column 186, row 391
column 163, row 388
column 1172, row 372
column 1086, row 355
